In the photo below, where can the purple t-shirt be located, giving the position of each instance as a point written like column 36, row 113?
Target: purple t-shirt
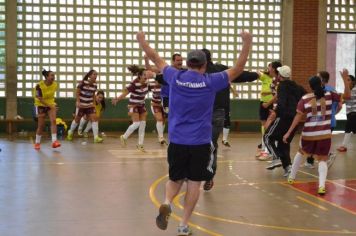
column 191, row 102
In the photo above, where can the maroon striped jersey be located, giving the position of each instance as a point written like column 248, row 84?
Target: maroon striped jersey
column 138, row 92
column 155, row 88
column 318, row 123
column 87, row 91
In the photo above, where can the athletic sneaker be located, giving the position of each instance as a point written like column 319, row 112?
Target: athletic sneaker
column 331, row 159
column 321, row 191
column 208, row 185
column 309, row 165
column 163, row 216
column 259, row 146
column 80, row 132
column 123, row 141
column 98, row 140
column 184, row 230
column 275, row 163
column 162, row 141
column 56, row 144
column 37, row 146
column 290, row 180
column 85, row 134
column 226, row 143
column 287, row 171
column 342, row 149
column 265, row 156
column 70, row 136
column 140, row 148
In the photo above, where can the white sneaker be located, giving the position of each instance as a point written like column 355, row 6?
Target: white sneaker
column 331, row 159
column 308, row 165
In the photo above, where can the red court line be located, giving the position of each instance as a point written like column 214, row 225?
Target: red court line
column 336, row 193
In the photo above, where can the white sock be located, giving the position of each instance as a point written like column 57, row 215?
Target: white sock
column 54, row 137
column 225, row 133
column 73, row 126
column 89, row 126
column 131, row 129
column 346, row 141
column 38, row 138
column 81, row 124
column 323, row 172
column 159, row 126
column 296, row 163
column 141, row 132
column 95, row 126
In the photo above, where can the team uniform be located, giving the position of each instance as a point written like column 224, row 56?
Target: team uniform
column 316, row 133
column 136, row 104
column 191, row 101
column 86, row 98
column 47, row 94
column 137, row 97
column 266, row 95
column 156, row 102
column 98, row 111
column 86, row 108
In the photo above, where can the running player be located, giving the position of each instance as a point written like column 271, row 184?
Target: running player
column 316, row 134
column 85, row 105
column 100, row 105
column 137, row 110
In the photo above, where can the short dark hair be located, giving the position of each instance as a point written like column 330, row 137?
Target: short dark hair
column 45, row 72
column 207, row 54
column 175, row 55
column 325, row 76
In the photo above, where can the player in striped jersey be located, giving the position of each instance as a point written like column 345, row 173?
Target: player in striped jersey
column 157, row 109
column 350, row 101
column 85, row 105
column 316, row 134
column 157, row 101
column 99, row 104
column 137, row 110
column 46, row 105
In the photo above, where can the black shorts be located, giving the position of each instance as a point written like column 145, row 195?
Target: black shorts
column 227, row 121
column 165, row 105
column 351, row 123
column 193, row 162
column 264, row 112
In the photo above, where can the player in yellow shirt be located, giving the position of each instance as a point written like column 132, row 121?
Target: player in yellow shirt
column 266, row 102
column 46, row 105
column 99, row 104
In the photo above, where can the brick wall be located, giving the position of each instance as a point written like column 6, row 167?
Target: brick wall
column 305, row 40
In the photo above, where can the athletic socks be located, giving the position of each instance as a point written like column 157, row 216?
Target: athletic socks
column 296, row 163
column 323, row 171
column 159, row 126
column 89, row 126
column 346, row 141
column 38, row 138
column 225, row 133
column 131, row 129
column 141, row 132
column 54, row 137
column 95, row 126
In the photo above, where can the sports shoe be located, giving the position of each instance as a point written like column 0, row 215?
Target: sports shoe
column 259, row 146
column 85, row 134
column 321, row 191
column 342, row 149
column 264, row 156
column 184, row 230
column 56, row 144
column 226, row 143
column 309, row 165
column 290, row 180
column 163, row 216
column 331, row 159
column 70, row 136
column 140, row 148
column 275, row 163
column 287, row 171
column 98, row 140
column 208, row 185
column 123, row 141
column 80, row 132
column 37, row 146
column 162, row 141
